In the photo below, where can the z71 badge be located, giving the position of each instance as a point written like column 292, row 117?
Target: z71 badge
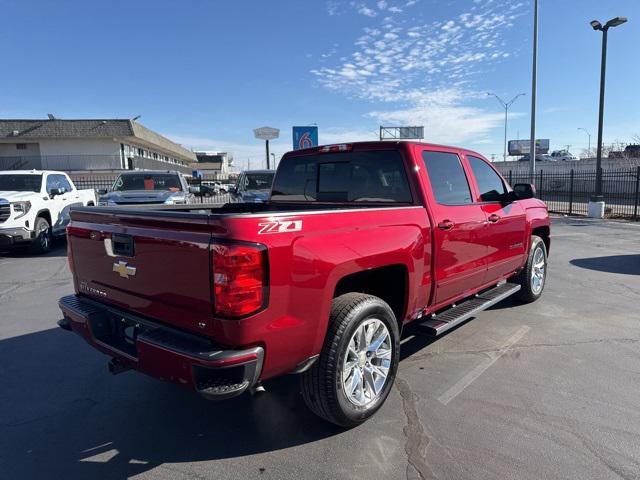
column 285, row 226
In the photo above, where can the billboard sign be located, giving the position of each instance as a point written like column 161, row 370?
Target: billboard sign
column 266, row 133
column 401, row 133
column 522, row 147
column 305, row 137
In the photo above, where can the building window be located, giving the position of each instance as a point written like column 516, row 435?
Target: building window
column 21, row 146
column 140, row 152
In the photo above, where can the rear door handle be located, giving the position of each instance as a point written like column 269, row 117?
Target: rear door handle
column 493, row 218
column 445, row 225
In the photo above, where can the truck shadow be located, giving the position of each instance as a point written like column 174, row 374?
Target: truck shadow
column 622, row 264
column 63, row 416
column 58, row 249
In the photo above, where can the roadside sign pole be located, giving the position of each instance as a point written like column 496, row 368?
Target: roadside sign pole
column 266, row 142
column 266, row 134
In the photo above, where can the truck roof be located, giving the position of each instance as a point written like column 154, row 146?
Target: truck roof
column 138, row 172
column 386, row 143
column 29, row 172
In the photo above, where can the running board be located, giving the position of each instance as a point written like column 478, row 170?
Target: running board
column 446, row 320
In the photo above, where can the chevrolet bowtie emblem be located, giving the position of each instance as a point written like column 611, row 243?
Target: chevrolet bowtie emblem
column 124, row 270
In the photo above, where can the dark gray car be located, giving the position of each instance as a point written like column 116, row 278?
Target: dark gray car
column 147, row 187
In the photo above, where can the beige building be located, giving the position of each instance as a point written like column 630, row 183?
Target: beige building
column 98, row 144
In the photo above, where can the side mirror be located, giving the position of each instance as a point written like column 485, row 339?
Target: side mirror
column 193, row 189
column 56, row 191
column 522, row 191
column 102, row 191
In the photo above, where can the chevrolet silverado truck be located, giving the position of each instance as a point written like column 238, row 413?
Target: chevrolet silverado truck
column 34, row 207
column 355, row 242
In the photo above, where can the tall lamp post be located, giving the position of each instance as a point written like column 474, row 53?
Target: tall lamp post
column 588, row 135
column 506, row 106
column 596, row 25
column 534, row 81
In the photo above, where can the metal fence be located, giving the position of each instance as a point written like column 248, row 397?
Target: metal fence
column 98, row 181
column 569, row 192
column 563, row 192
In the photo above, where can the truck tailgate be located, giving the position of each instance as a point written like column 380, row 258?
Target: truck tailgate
column 155, row 265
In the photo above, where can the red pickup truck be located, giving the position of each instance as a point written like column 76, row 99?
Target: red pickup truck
column 356, row 241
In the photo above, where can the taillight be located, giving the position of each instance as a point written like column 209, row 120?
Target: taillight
column 239, row 279
column 69, row 253
column 343, row 147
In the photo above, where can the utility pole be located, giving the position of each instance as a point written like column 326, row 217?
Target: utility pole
column 534, row 78
column 506, row 106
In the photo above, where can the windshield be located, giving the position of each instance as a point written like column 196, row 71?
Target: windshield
column 147, row 181
column 20, row 183
column 259, row 181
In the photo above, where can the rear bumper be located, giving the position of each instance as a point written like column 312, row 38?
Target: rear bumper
column 12, row 236
column 163, row 352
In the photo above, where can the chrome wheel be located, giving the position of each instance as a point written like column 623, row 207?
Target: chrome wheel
column 367, row 362
column 538, row 271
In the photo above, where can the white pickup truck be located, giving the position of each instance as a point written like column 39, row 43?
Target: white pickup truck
column 34, row 207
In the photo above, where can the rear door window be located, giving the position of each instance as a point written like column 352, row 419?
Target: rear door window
column 489, row 183
column 368, row 176
column 448, row 180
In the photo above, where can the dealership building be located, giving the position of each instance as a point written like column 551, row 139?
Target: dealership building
column 81, row 145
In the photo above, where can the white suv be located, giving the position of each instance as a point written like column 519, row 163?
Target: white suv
column 563, row 156
column 34, row 207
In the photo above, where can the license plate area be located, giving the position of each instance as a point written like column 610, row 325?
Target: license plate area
column 116, row 331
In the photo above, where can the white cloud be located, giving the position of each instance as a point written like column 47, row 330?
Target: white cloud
column 423, row 72
column 366, row 11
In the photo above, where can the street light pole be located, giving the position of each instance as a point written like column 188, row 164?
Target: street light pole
column 534, row 78
column 588, row 135
column 596, row 25
column 506, row 106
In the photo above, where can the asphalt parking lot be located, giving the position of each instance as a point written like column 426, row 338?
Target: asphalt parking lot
column 546, row 390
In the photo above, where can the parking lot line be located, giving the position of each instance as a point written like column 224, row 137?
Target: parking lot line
column 470, row 377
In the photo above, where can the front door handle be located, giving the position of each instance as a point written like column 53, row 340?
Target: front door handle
column 493, row 218
column 445, row 225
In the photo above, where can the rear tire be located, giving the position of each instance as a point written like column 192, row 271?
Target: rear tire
column 358, row 363
column 533, row 276
column 42, row 242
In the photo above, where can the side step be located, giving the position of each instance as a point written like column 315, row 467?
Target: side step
column 446, row 320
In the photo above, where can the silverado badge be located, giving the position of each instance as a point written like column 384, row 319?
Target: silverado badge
column 124, row 270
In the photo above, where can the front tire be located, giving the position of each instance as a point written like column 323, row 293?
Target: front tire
column 42, row 242
column 358, row 363
column 533, row 276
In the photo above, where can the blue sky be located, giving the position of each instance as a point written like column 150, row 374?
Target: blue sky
column 206, row 73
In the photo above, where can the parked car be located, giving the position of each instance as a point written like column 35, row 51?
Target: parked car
column 253, row 186
column 226, row 187
column 205, row 190
column 540, row 157
column 34, row 207
column 147, row 187
column 563, row 156
column 355, row 242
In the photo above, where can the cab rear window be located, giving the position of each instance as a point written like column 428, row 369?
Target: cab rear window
column 373, row 176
